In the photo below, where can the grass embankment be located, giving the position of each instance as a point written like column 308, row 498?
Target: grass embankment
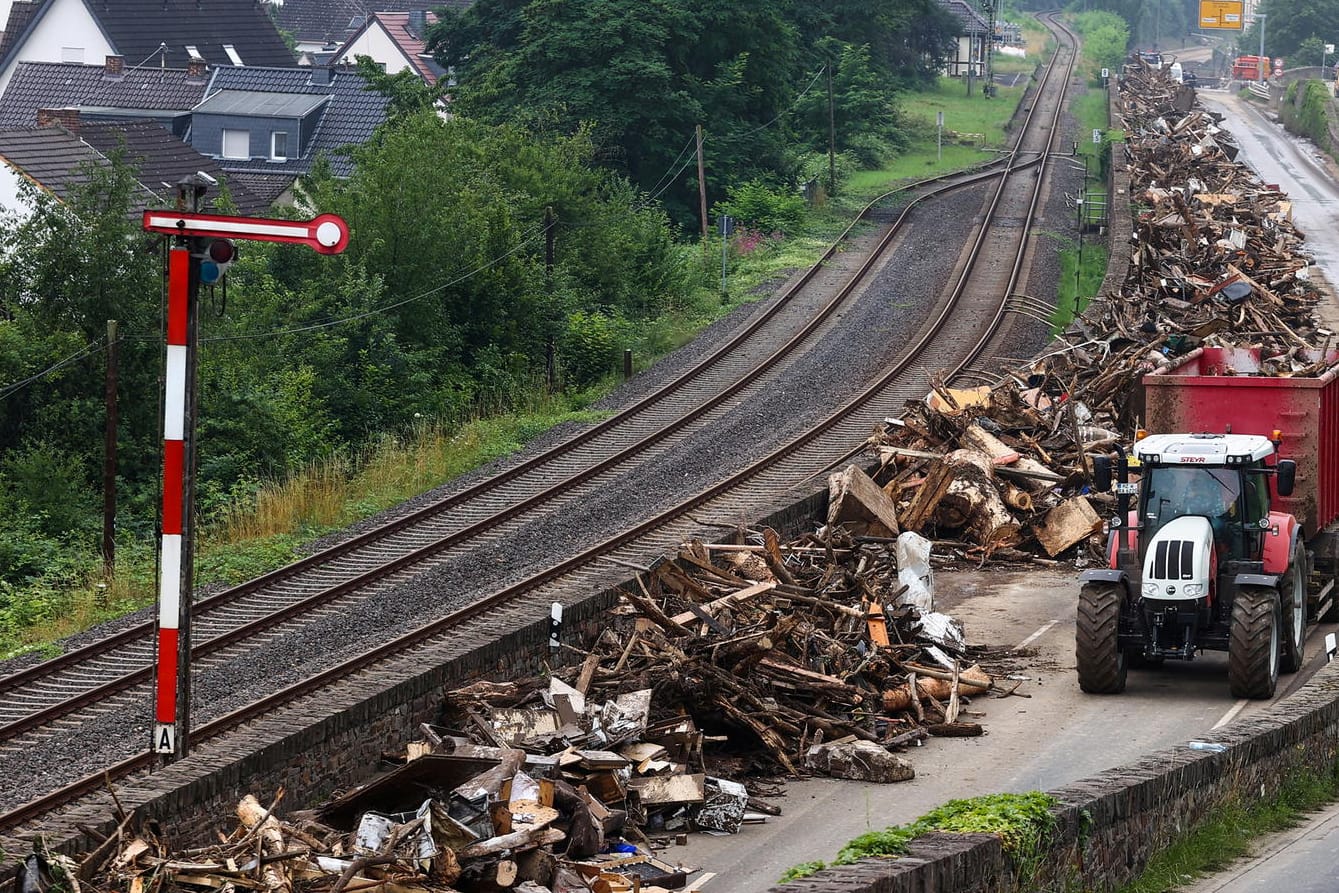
column 1022, row 822
column 269, row 530
column 1083, row 262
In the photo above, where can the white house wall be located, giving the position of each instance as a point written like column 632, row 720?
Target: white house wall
column 377, row 44
column 10, row 196
column 66, row 24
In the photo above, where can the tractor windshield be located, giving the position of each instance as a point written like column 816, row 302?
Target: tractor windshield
column 1176, row 490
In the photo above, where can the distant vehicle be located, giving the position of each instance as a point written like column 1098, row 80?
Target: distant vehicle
column 1247, row 68
column 1153, row 60
column 1176, row 72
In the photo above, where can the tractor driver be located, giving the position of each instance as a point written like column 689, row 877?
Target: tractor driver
column 1213, row 493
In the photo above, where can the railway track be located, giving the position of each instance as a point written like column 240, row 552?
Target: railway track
column 112, row 675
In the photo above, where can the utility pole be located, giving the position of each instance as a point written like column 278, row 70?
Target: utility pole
column 702, row 183
column 832, row 138
column 549, row 360
column 988, row 87
column 1260, row 19
column 109, row 457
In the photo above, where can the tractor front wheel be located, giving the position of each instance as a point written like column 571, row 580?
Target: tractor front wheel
column 1101, row 660
column 1254, row 643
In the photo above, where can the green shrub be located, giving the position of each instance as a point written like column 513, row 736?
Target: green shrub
column 1022, row 822
column 761, row 207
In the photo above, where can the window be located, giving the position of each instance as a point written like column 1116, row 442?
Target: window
column 72, row 54
column 232, row 54
column 279, row 146
column 237, row 144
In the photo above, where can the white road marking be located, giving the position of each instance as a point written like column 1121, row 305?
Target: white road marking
column 1035, row 636
column 1231, row 714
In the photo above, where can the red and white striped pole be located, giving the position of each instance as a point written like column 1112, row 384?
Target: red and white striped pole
column 191, row 232
column 171, row 566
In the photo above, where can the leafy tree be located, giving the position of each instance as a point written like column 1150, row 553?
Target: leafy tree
column 65, row 270
column 1105, row 38
column 407, row 91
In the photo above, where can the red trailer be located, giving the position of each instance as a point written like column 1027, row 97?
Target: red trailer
column 1220, row 389
column 1224, row 537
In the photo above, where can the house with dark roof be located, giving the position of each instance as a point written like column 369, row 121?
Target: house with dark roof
column 58, row 153
column 323, row 26
column 395, row 41
column 107, row 92
column 267, row 126
column 164, row 33
column 969, row 55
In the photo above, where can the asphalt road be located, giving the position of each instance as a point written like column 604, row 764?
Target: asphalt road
column 1057, row 734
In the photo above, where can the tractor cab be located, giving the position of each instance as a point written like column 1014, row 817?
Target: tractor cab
column 1221, row 478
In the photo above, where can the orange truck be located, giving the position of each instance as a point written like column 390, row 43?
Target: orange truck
column 1247, row 68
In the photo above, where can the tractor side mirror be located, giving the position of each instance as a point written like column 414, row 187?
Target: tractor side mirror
column 1102, row 473
column 1287, row 477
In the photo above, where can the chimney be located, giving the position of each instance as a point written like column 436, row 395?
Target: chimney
column 322, row 75
column 418, row 22
column 116, row 67
column 196, row 69
column 66, row 117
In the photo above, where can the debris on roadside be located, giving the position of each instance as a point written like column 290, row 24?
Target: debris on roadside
column 1001, row 471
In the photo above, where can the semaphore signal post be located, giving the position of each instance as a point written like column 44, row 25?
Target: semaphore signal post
column 202, row 250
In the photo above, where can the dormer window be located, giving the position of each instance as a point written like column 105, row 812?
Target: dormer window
column 279, row 145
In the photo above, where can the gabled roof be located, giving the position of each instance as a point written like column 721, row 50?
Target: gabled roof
column 334, row 21
column 59, row 161
column 321, row 21
column 20, row 14
column 139, row 28
column 971, row 21
column 38, row 85
column 408, row 37
column 350, row 117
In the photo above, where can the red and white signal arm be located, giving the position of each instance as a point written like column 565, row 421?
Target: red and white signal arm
column 326, row 234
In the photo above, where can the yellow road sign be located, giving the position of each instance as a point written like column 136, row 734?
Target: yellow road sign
column 1222, row 14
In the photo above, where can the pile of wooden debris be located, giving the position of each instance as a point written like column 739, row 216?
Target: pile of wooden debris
column 488, row 830
column 1215, row 261
column 798, row 654
column 823, row 655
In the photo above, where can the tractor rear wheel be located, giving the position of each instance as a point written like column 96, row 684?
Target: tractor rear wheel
column 1292, row 594
column 1254, row 643
column 1101, row 660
